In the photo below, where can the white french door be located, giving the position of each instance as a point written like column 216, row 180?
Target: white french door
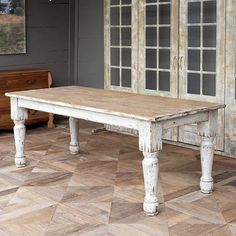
column 121, row 45
column 168, row 48
column 202, row 59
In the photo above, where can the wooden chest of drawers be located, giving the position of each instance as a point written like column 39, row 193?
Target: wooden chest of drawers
column 18, row 80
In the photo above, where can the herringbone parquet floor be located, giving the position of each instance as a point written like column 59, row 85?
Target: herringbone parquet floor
column 100, row 191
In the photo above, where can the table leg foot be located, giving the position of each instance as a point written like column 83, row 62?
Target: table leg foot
column 150, row 209
column 206, row 186
column 74, row 149
column 20, row 162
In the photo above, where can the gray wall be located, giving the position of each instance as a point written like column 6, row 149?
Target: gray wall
column 47, row 40
column 91, row 47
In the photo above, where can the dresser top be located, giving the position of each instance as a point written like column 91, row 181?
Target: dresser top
column 21, row 71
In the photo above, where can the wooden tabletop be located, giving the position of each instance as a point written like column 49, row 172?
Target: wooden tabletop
column 143, row 107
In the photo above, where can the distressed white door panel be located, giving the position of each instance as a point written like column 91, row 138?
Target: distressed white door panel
column 230, row 91
column 158, row 51
column 121, row 45
column 201, row 63
column 202, row 60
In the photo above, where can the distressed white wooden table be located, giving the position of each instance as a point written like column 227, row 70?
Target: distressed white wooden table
column 150, row 115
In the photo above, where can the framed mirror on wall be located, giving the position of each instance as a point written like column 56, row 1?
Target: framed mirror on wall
column 12, row 27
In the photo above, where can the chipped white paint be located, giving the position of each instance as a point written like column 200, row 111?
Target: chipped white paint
column 19, row 115
column 230, row 86
column 188, row 134
column 150, row 172
column 74, row 128
column 150, row 141
column 150, row 124
column 150, row 136
column 207, row 131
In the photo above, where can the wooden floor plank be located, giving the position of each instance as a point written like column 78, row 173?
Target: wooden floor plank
column 100, row 191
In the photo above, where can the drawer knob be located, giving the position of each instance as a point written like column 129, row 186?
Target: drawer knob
column 32, row 81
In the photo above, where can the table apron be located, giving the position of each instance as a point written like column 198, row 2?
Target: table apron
column 111, row 119
column 94, row 116
column 185, row 120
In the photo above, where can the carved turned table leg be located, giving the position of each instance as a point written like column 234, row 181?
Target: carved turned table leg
column 149, row 143
column 150, row 172
column 207, row 131
column 74, row 130
column 19, row 115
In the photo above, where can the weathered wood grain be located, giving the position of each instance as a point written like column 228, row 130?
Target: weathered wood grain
column 149, row 108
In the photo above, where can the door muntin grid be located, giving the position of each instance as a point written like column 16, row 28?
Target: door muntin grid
column 121, row 43
column 201, row 47
column 157, row 45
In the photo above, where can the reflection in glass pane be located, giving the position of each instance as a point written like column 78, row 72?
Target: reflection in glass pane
column 164, row 81
column 151, row 58
column 164, row 58
column 209, row 12
column 194, row 60
column 209, row 60
column 164, row 36
column 194, row 12
column 115, row 16
column 126, row 37
column 164, row 14
column 126, row 57
column 115, row 2
column 126, row 16
column 209, row 85
column 151, row 80
column 115, row 56
column 115, row 77
column 194, row 36
column 126, row 1
column 126, row 78
column 115, row 37
column 193, row 83
column 209, row 36
column 150, row 1
column 151, row 36
column 151, row 15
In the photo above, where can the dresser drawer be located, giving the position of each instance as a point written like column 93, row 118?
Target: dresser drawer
column 11, row 81
column 23, row 82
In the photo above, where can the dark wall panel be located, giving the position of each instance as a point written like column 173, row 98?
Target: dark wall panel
column 91, row 46
column 47, row 40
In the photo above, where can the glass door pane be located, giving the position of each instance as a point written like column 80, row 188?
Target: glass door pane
column 201, row 59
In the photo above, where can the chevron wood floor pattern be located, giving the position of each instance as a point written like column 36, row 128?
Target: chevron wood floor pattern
column 100, row 191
